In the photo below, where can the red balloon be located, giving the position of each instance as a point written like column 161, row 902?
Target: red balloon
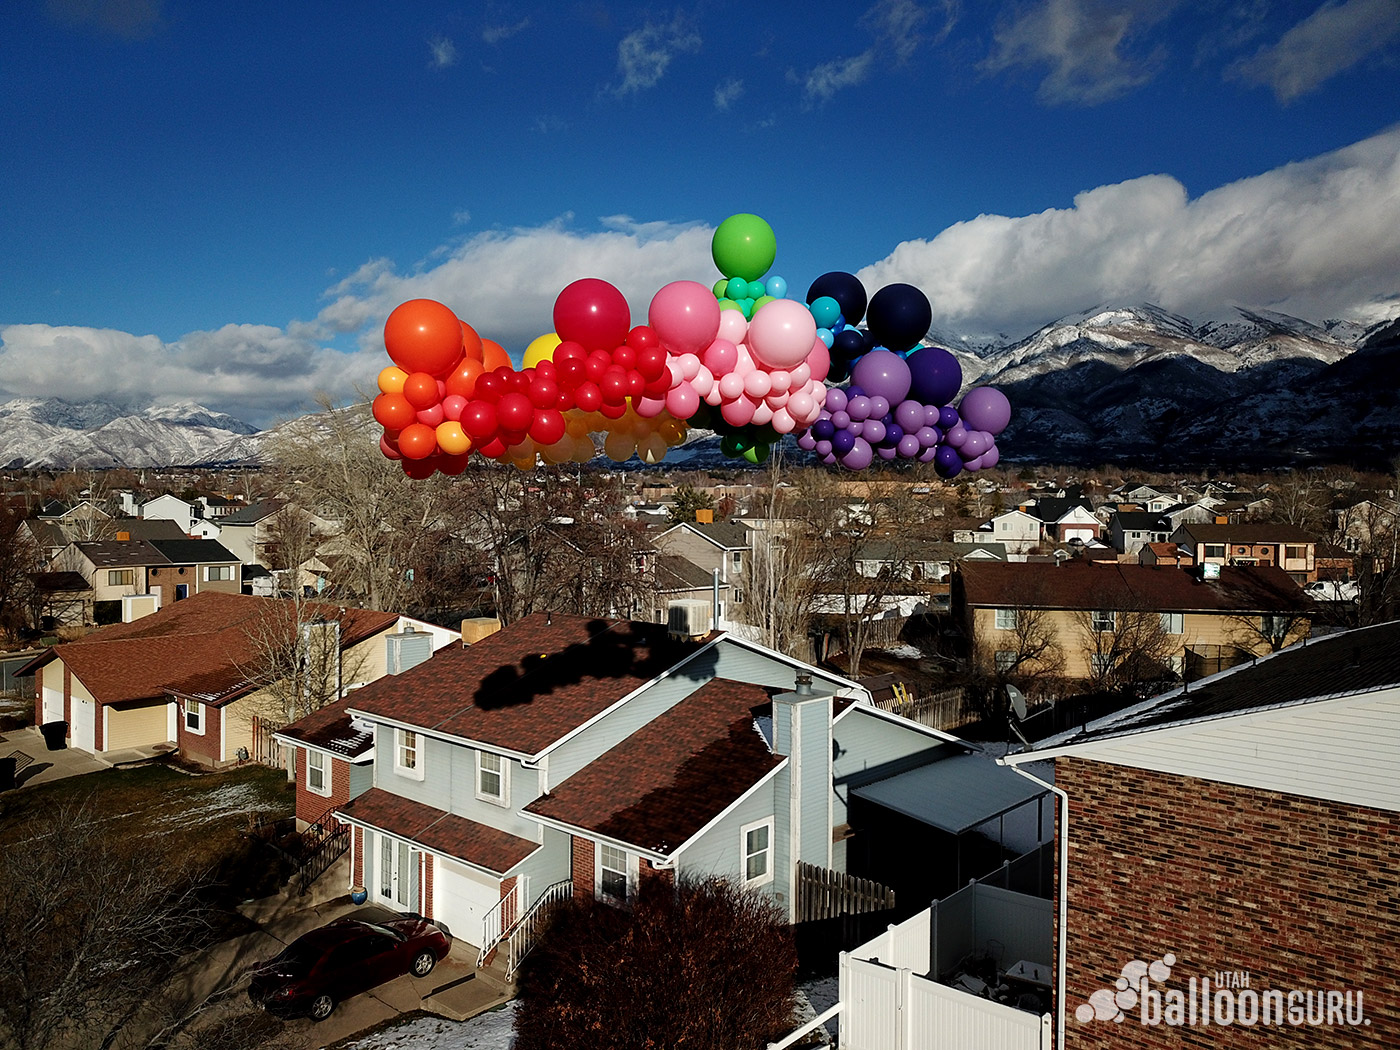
column 493, row 449
column 599, row 361
column 593, row 313
column 518, row 382
column 490, row 387
column 612, row 411
column 572, row 373
column 568, row 350
column 658, row 387
column 625, row 356
column 588, row 397
column 566, row 401
column 390, row 447
column 422, row 335
column 462, row 379
column 546, row 369
column 636, row 385
column 420, row 469
column 651, row 361
column 613, row 386
column 417, row 441
column 544, row 392
column 452, row 465
column 421, row 390
column 548, row 427
column 511, row 438
column 392, row 411
column 479, row 420
column 643, row 336
column 514, row 413
column 432, row 415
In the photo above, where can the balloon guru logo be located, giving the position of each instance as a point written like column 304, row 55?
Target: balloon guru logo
column 1225, row 998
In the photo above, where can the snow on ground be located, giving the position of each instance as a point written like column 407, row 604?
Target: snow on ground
column 494, row 1030
column 230, row 798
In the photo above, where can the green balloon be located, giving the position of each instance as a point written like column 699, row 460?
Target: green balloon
column 737, row 289
column 744, row 246
column 719, row 288
column 757, row 454
column 762, row 301
column 729, row 304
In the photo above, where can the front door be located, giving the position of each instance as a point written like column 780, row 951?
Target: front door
column 396, row 871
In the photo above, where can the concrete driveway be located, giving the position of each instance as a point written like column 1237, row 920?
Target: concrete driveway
column 46, row 765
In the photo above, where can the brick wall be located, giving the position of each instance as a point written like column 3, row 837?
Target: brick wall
column 429, row 864
column 581, row 868
column 310, row 805
column 201, row 747
column 357, row 856
column 1300, row 893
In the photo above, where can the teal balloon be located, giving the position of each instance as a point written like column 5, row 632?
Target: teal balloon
column 737, row 289
column 826, row 311
column 777, row 287
column 756, row 290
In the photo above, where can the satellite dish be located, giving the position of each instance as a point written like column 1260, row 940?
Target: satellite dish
column 1018, row 701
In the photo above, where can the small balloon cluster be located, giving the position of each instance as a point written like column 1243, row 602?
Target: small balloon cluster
column 897, row 405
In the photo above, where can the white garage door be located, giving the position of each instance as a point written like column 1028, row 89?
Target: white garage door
column 461, row 899
column 83, row 723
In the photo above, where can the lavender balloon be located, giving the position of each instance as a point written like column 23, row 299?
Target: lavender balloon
column 880, row 408
column 874, row 431
column 858, row 407
column 807, row 443
column 836, row 400
column 955, row 436
column 985, row 408
column 909, row 446
column 881, row 373
column 886, row 452
column 858, row 458
column 976, row 443
column 928, row 436
column 928, row 454
column 823, row 448
column 840, row 420
column 991, row 457
column 909, row 415
column 932, row 416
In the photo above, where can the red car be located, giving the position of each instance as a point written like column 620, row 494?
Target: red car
column 344, row 958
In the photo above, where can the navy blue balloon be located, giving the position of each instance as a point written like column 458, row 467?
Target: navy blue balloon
column 854, row 390
column 843, row 441
column 899, row 316
column 846, row 289
column 893, row 432
column 947, row 415
column 946, row 462
column 934, row 376
column 823, row 429
column 848, row 343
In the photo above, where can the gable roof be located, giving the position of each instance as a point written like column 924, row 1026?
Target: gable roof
column 1114, row 585
column 112, row 554
column 1141, row 521
column 466, row 840
column 528, row 685
column 724, row 534
column 192, row 552
column 253, row 513
column 674, row 573
column 669, row 779
column 1247, row 532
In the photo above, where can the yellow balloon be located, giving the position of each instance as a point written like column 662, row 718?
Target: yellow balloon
column 542, row 349
column 452, row 439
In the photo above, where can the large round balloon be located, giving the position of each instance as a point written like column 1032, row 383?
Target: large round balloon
column 593, row 313
column 423, row 335
column 899, row 316
column 685, row 316
column 935, row 377
column 781, row 335
column 985, row 408
column 882, row 373
column 845, row 288
column 744, row 246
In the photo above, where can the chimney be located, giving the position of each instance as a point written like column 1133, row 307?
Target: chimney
column 802, row 732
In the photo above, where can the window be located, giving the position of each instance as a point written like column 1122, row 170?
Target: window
column 490, row 777
column 1006, row 619
column 121, row 577
column 612, row 873
column 1295, row 552
column 1212, row 550
column 1102, row 620
column 1005, row 659
column 738, row 596
column 194, row 716
column 218, row 572
column 738, row 560
column 407, row 760
column 1173, row 623
column 757, row 844
column 316, row 779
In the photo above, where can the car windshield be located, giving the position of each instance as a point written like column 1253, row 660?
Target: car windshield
column 387, row 931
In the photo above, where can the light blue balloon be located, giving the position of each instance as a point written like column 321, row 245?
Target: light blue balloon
column 824, row 334
column 826, row 311
column 777, row 287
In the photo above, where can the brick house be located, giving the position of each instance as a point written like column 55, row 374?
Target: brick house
column 1251, row 543
column 1244, row 832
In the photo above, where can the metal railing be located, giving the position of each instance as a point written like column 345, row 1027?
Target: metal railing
column 524, row 934
column 497, row 922
column 326, row 840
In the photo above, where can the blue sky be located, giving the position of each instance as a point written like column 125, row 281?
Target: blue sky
column 221, row 202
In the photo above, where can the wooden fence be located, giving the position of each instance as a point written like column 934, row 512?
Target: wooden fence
column 946, row 709
column 265, row 749
column 826, row 894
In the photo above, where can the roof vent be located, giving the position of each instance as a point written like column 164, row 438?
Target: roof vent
column 804, row 685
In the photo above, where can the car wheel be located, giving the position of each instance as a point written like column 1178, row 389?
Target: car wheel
column 321, row 1007
column 423, row 964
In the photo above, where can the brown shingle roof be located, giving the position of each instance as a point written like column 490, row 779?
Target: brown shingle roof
column 438, row 831
column 674, row 775
column 331, row 729
column 1115, row 585
column 526, row 686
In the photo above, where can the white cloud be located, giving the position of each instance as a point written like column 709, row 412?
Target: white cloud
column 1333, row 38
column 728, row 92
column 825, row 80
column 495, row 34
column 444, row 52
column 644, row 54
column 1318, row 239
column 897, row 27
column 1084, row 43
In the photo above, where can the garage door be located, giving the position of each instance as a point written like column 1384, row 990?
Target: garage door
column 136, row 726
column 461, row 899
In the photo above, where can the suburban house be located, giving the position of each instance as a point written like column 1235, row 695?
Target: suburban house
column 195, row 674
column 568, row 755
column 1131, row 530
column 172, row 508
column 678, row 579
column 711, row 545
column 1251, row 543
column 1081, row 606
column 1017, row 530
column 1164, row 554
column 1239, row 840
column 247, row 531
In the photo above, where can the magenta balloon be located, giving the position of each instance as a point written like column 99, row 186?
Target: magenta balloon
column 720, row 357
column 781, row 334
column 685, row 316
column 884, row 374
column 985, row 408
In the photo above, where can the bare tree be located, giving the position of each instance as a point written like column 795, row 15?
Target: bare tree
column 1269, row 631
column 1125, row 646
column 300, row 661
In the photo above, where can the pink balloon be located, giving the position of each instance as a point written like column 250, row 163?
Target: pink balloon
column 819, row 360
column 452, row 406
column 731, row 386
column 690, row 365
column 649, row 407
column 781, row 379
column 781, row 334
column 702, row 381
column 714, row 397
column 782, row 422
column 762, row 414
column 722, row 355
column 776, row 401
column 756, row 383
column 802, row 373
column 682, row 401
column 738, row 412
column 685, row 316
column 431, row 416
column 801, row 405
column 733, row 326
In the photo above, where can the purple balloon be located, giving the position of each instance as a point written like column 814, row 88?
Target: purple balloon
column 928, row 454
column 854, row 390
column 881, row 373
column 985, row 408
column 955, row 436
column 842, row 442
column 880, row 408
column 909, row 446
column 823, row 448
column 935, row 375
column 927, row 436
column 976, row 442
column 822, row 429
column 840, row 420
column 948, row 417
column 836, row 400
column 858, row 407
column 858, row 458
column 807, row 443
column 991, row 457
column 909, row 415
column 886, row 452
column 947, row 462
column 874, row 431
column 829, row 459
column 894, row 434
column 857, row 428
column 972, row 464
column 932, row 415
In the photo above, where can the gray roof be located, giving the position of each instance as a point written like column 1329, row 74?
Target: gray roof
column 955, row 794
column 724, row 534
column 193, row 552
column 252, row 514
column 109, row 554
column 674, row 573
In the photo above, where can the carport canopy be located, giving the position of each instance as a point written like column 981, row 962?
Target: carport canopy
column 955, row 794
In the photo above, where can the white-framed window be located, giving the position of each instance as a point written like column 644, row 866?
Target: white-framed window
column 1102, row 620
column 408, row 753
column 1006, row 620
column 737, row 560
column 491, row 774
column 1173, row 623
column 317, row 775
column 756, row 849
column 1005, row 659
column 615, row 873
column 218, row 572
column 194, row 716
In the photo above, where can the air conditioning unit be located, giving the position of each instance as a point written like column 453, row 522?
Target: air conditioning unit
column 689, row 618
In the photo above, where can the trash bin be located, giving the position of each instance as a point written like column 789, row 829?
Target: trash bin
column 7, row 773
column 55, row 735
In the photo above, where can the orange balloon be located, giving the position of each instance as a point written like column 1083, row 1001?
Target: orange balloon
column 452, row 439
column 393, row 412
column 391, row 380
column 417, row 441
column 471, row 343
column 462, row 379
column 422, row 335
column 494, row 356
column 421, row 390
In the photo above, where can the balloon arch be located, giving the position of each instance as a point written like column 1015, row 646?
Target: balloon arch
column 739, row 358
